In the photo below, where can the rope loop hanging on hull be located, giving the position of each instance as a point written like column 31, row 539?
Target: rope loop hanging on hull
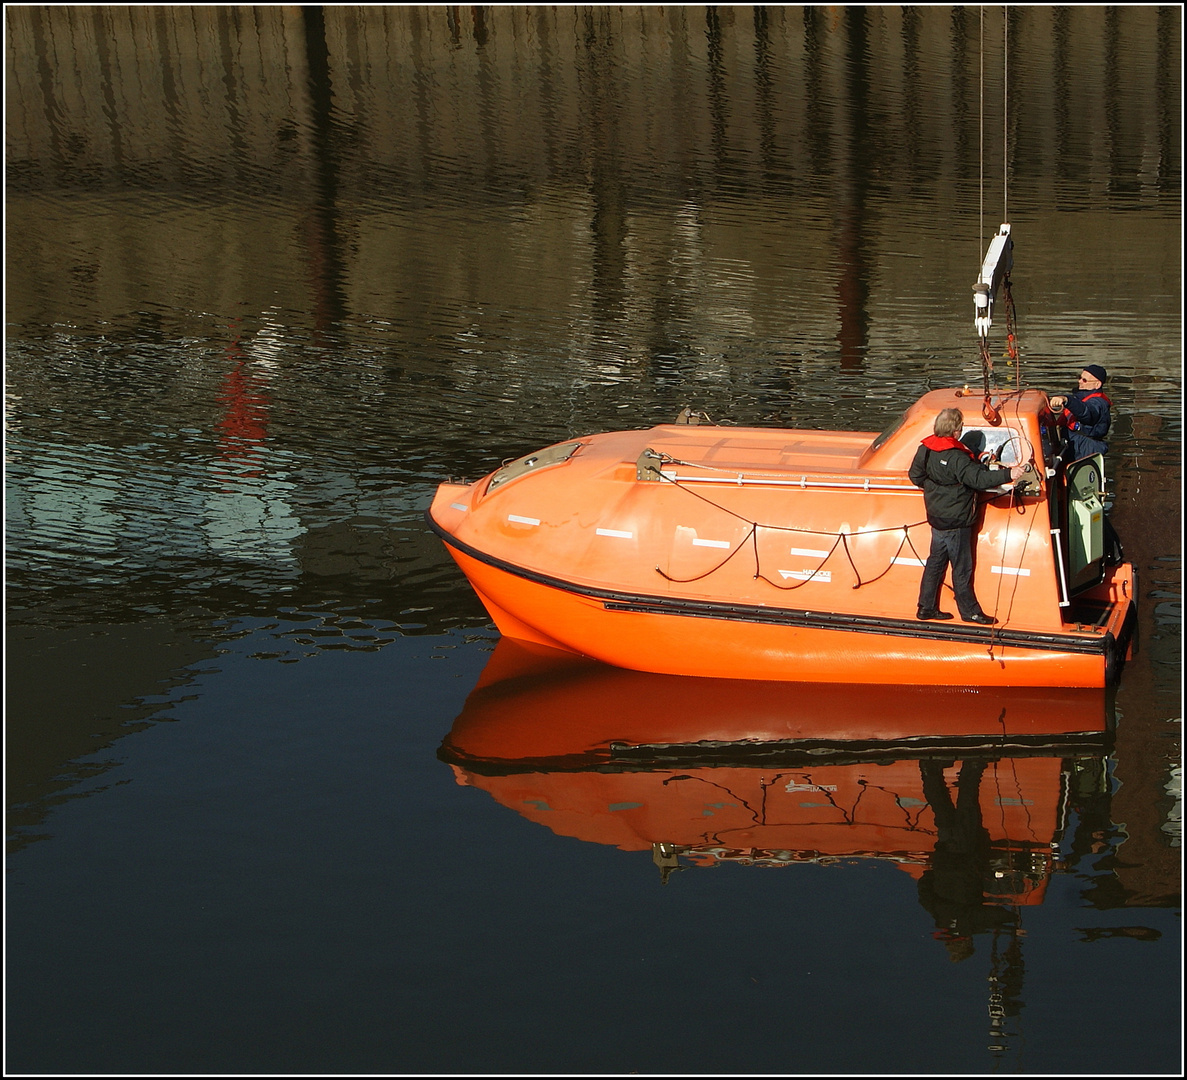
column 840, row 539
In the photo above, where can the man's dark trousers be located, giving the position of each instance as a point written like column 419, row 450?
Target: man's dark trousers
column 949, row 546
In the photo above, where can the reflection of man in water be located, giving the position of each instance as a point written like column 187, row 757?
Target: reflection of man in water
column 951, row 887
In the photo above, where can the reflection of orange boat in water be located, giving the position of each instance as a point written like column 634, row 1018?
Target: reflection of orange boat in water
column 965, row 790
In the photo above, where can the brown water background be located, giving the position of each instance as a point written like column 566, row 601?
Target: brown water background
column 272, row 273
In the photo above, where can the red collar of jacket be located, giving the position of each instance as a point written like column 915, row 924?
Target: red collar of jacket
column 945, row 442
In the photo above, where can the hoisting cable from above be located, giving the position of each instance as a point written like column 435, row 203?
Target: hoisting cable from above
column 995, row 270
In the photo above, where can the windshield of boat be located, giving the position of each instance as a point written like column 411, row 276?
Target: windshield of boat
column 1004, row 443
column 888, row 432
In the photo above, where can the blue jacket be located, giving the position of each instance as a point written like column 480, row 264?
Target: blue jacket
column 1089, row 411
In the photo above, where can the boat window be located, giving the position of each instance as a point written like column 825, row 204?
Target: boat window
column 888, row 432
column 550, row 455
column 1004, row 443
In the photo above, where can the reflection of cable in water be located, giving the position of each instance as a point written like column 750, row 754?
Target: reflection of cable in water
column 912, row 824
column 1018, row 799
column 720, row 787
column 849, row 816
column 865, row 785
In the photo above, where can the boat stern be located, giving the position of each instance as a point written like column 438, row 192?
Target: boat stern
column 1111, row 609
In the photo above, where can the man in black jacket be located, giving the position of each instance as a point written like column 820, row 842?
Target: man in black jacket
column 950, row 477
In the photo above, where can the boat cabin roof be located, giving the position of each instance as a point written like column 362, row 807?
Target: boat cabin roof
column 892, row 450
column 1017, row 412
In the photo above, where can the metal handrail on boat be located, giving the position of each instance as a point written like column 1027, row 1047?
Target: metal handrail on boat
column 741, row 480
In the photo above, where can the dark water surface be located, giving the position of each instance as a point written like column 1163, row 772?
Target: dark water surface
column 274, row 273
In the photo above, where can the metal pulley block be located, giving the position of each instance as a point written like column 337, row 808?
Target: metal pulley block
column 999, row 259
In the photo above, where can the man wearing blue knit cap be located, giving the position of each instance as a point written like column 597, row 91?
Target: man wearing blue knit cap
column 1085, row 414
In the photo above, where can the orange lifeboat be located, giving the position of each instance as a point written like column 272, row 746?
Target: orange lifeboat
column 701, row 771
column 796, row 555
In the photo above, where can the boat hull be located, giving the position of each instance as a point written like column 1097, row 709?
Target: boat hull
column 659, row 634
column 795, row 555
